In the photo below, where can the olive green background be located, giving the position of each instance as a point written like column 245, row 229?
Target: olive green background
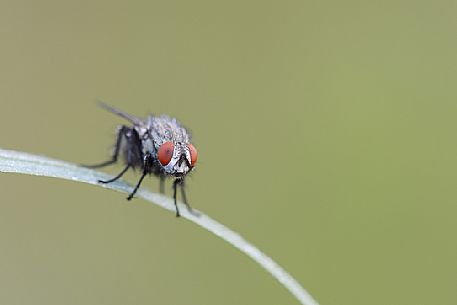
column 326, row 134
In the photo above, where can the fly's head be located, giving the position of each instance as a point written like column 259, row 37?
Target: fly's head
column 177, row 158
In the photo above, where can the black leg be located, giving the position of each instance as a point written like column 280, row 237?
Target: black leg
column 180, row 182
column 162, row 185
column 175, row 185
column 137, row 186
column 184, row 198
column 117, row 177
column 121, row 132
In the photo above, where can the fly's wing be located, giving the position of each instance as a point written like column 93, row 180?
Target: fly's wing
column 132, row 119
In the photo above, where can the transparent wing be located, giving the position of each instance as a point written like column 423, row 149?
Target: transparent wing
column 131, row 118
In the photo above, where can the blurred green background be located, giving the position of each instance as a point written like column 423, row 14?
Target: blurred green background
column 326, row 136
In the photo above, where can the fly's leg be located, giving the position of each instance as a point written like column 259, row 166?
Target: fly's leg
column 122, row 132
column 162, row 184
column 117, row 177
column 146, row 169
column 175, row 185
column 180, row 182
column 137, row 186
column 128, row 134
column 184, row 198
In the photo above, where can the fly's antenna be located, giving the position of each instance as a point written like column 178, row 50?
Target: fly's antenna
column 132, row 119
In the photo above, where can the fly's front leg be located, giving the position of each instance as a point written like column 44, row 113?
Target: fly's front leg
column 162, row 184
column 146, row 170
column 122, row 132
column 184, row 198
column 137, row 186
column 176, row 183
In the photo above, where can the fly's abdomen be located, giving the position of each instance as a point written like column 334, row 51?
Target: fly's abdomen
column 131, row 149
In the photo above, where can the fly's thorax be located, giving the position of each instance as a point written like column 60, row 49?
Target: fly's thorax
column 164, row 128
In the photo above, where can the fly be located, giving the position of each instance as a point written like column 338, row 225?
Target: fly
column 158, row 146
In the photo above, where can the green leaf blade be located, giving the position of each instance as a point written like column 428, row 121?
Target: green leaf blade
column 23, row 163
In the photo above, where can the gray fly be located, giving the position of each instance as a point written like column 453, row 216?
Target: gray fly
column 158, row 146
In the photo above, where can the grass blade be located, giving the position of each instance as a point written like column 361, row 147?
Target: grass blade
column 23, row 163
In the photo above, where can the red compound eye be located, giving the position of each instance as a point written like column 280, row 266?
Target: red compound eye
column 193, row 154
column 165, row 153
